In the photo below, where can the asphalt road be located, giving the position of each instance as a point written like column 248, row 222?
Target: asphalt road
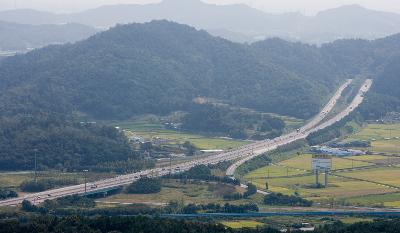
column 244, row 153
column 312, row 126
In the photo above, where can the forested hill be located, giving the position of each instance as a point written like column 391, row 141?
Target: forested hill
column 377, row 59
column 161, row 66
column 307, row 61
column 155, row 67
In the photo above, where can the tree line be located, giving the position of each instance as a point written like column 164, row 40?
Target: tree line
column 141, row 224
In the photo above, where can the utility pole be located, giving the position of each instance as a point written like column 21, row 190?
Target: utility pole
column 35, row 152
column 85, row 176
column 170, row 166
column 326, row 178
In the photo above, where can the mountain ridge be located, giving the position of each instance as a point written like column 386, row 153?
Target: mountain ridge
column 166, row 64
column 23, row 37
column 253, row 24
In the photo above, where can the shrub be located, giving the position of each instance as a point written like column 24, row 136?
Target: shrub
column 144, row 186
column 284, row 200
column 5, row 193
column 251, row 190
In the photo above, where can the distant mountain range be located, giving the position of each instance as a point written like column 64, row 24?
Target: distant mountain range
column 23, row 37
column 239, row 22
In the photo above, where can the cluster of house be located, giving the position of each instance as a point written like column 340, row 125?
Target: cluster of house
column 340, row 152
column 390, row 118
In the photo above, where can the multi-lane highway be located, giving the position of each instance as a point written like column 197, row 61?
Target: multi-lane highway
column 243, row 153
column 313, row 126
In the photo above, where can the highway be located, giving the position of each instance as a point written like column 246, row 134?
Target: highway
column 312, row 126
column 243, row 153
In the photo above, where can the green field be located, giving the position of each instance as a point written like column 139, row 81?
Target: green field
column 304, row 162
column 14, row 179
column 383, row 175
column 242, row 224
column 386, row 146
column 362, row 180
column 151, row 128
column 337, row 187
column 147, row 130
column 391, row 200
column 8, row 180
column 377, row 131
column 372, row 158
column 294, row 175
column 274, row 171
column 199, row 193
column 384, row 138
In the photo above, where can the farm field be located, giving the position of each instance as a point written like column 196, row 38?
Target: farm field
column 386, row 146
column 304, row 162
column 384, row 138
column 358, row 180
column 147, row 130
column 242, row 224
column 371, row 158
column 377, row 131
column 199, row 193
column 13, row 180
column 391, row 200
column 274, row 171
column 385, row 175
column 337, row 187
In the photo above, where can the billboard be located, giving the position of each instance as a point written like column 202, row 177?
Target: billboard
column 322, row 162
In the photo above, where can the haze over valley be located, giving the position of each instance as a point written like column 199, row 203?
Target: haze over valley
column 345, row 22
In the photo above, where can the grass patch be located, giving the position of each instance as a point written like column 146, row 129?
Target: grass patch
column 274, row 171
column 386, row 146
column 292, row 175
column 155, row 130
column 9, row 180
column 305, row 186
column 383, row 137
column 242, row 224
column 337, row 187
column 371, row 158
column 15, row 179
column 376, row 131
column 390, row 200
column 304, row 161
column 199, row 193
column 385, row 175
column 352, row 220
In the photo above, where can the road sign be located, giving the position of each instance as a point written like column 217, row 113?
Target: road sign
column 322, row 163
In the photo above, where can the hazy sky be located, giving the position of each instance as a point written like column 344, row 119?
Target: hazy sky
column 308, row 7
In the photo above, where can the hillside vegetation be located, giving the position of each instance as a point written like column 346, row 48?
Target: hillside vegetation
column 161, row 67
column 156, row 67
column 60, row 144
